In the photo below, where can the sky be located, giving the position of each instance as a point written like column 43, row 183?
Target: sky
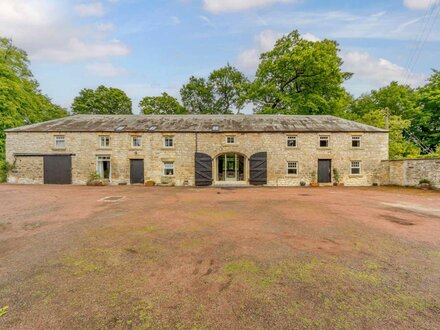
column 149, row 47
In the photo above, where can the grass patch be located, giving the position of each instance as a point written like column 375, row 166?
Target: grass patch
column 79, row 266
column 4, row 310
column 241, row 267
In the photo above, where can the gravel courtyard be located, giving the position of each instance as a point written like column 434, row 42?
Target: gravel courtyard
column 133, row 257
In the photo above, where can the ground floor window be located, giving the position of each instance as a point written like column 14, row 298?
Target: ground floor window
column 168, row 168
column 231, row 167
column 355, row 167
column 292, row 168
column 103, row 167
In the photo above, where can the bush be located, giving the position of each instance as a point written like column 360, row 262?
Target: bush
column 96, row 180
column 5, row 168
column 424, row 181
column 302, row 183
column 336, row 175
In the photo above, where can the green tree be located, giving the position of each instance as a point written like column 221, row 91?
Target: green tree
column 229, row 88
column 428, row 125
column 399, row 146
column 197, row 96
column 300, row 77
column 21, row 101
column 161, row 105
column 103, row 100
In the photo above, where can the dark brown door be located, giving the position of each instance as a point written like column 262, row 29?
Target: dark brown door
column 136, row 171
column 324, row 170
column 258, row 168
column 203, row 167
column 57, row 169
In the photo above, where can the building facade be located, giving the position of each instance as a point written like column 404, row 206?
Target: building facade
column 197, row 150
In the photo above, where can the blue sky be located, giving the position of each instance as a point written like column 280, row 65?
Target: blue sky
column 150, row 47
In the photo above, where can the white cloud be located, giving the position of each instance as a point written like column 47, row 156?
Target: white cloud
column 46, row 31
column 419, row 4
column 106, row 69
column 89, row 9
column 105, row 27
column 377, row 72
column 175, row 20
column 219, row 6
column 310, row 37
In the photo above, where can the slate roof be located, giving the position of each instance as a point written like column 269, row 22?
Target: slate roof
column 198, row 123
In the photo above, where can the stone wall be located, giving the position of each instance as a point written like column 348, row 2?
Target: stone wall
column 408, row 172
column 86, row 148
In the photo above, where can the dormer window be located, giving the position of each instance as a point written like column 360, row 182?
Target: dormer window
column 152, row 128
column 215, row 128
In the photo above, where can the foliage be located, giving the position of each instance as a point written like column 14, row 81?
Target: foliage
column 5, row 168
column 95, row 180
column 102, row 100
column 21, row 101
column 223, row 92
column 228, row 86
column 161, row 105
column 428, row 126
column 424, row 181
column 4, row 310
column 336, row 175
column 300, row 77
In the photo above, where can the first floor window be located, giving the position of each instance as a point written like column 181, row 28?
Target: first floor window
column 103, row 167
column 355, row 141
column 60, row 142
column 136, row 141
column 324, row 141
column 292, row 168
column 355, row 167
column 291, row 141
column 230, row 139
column 168, row 141
column 104, row 141
column 168, row 168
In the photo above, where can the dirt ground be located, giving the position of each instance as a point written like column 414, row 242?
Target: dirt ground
column 249, row 258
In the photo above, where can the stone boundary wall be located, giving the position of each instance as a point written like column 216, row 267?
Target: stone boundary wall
column 408, row 172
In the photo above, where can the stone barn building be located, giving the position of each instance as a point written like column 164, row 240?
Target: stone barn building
column 201, row 150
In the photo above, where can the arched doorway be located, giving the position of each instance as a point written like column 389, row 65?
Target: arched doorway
column 231, row 167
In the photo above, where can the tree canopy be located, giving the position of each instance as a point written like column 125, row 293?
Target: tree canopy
column 21, row 101
column 161, row 105
column 299, row 77
column 102, row 100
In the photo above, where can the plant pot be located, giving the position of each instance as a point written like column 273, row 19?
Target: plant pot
column 149, row 183
column 425, row 186
column 341, row 184
column 335, row 184
column 314, row 184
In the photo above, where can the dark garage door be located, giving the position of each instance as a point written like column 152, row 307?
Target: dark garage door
column 258, row 168
column 136, row 171
column 203, row 167
column 57, row 169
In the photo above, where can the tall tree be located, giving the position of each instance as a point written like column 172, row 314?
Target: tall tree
column 197, row 96
column 102, row 100
column 428, row 126
column 161, row 105
column 228, row 86
column 300, row 77
column 21, row 101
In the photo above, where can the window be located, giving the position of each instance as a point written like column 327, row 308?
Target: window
column 168, row 168
column 168, row 141
column 215, row 128
column 103, row 167
column 292, row 168
column 230, row 139
column 356, row 141
column 291, row 141
column 324, row 141
column 136, row 141
column 355, row 167
column 104, row 141
column 60, row 142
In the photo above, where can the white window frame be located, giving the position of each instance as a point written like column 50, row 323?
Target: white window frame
column 134, row 138
column 356, row 164
column 60, row 138
column 103, row 138
column 292, row 165
column 230, row 139
column 356, row 138
column 103, row 158
column 292, row 138
column 168, row 166
column 166, row 141
column 324, row 138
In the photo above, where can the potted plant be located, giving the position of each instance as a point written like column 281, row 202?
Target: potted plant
column 337, row 178
column 314, row 182
column 149, row 183
column 96, row 180
column 425, row 184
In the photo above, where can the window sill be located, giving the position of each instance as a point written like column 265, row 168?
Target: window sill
column 292, row 175
column 355, row 175
column 168, row 148
column 104, row 148
column 135, row 149
column 59, row 149
column 357, row 148
column 290, row 148
column 324, row 148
